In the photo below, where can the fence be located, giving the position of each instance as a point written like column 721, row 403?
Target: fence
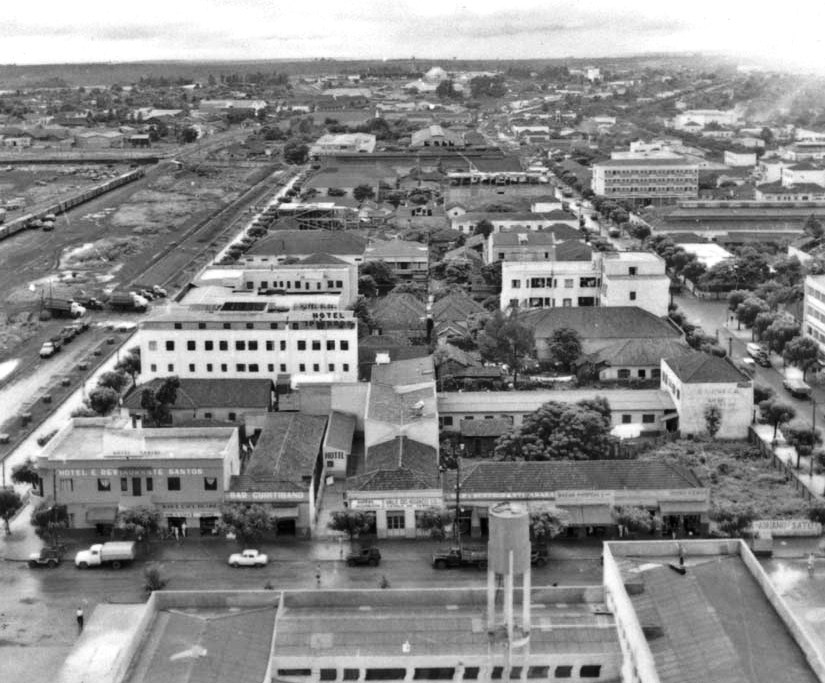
column 768, row 451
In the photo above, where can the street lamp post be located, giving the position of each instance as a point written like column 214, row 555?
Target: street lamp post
column 456, row 527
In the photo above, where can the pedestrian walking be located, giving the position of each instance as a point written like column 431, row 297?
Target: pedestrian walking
column 183, row 529
column 318, row 574
column 176, row 531
column 340, row 547
column 79, row 615
column 681, row 556
column 811, row 565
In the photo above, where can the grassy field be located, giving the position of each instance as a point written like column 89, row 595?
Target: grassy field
column 737, row 475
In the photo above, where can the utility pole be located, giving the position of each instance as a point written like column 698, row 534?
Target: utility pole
column 813, row 435
column 456, row 528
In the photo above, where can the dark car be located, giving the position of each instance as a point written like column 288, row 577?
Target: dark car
column 538, row 556
column 370, row 556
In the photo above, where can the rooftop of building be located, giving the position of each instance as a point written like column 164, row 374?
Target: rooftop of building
column 401, row 453
column 603, row 322
column 779, row 188
column 398, row 373
column 510, row 216
column 396, row 248
column 112, row 439
column 399, row 311
column 528, row 401
column 306, row 242
column 288, row 447
column 488, row 476
column 676, row 162
column 211, row 393
column 703, row 368
column 715, row 621
column 632, row 256
column 457, row 305
column 246, row 311
column 557, row 232
column 485, row 428
column 340, row 431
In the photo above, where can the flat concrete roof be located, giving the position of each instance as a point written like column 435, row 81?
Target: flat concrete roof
column 528, row 401
column 84, row 441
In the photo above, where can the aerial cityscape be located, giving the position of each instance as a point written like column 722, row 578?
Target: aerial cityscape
column 412, row 341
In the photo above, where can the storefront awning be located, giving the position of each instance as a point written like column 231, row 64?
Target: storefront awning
column 684, row 507
column 101, row 514
column 582, row 515
column 286, row 513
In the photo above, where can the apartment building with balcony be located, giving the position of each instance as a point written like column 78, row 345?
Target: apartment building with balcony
column 652, row 179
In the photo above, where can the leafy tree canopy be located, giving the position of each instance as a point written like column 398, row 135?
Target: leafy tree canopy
column 505, row 339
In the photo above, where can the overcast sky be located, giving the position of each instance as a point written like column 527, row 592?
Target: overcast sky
column 789, row 31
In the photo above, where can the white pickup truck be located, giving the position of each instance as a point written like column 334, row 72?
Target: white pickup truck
column 248, row 558
column 115, row 554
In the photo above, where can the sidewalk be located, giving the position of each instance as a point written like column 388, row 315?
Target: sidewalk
column 814, row 483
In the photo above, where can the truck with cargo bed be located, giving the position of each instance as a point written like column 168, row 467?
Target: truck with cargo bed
column 114, row 554
column 63, row 307
column 128, row 301
column 460, row 557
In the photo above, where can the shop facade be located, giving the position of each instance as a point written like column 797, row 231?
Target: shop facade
column 290, row 508
column 396, row 513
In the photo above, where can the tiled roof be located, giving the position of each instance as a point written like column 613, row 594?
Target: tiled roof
column 510, row 216
column 322, row 259
column 601, row 322
column 406, row 454
column 246, row 482
column 396, row 249
column 211, row 393
column 573, row 251
column 457, row 306
column 340, row 431
column 553, row 234
column 487, row 476
column 619, row 163
column 398, row 373
column 637, row 352
column 703, row 368
column 400, row 479
column 288, row 447
column 400, row 311
column 485, row 428
column 300, row 242
column 469, row 402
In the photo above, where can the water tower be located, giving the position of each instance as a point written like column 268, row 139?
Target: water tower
column 508, row 558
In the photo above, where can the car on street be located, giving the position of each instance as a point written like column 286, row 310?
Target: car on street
column 48, row 349
column 47, row 557
column 370, row 556
column 759, row 354
column 747, row 365
column 796, row 387
column 538, row 555
column 159, row 291
column 248, row 558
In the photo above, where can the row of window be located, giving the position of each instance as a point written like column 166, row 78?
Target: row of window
column 815, row 293
column 446, row 673
column 252, row 345
column 287, row 284
column 648, row 172
column 252, row 367
column 569, row 283
column 449, row 421
column 547, row 302
column 66, row 485
column 324, row 321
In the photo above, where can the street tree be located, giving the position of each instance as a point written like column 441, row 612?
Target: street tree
column 813, row 227
column 720, row 277
column 139, row 521
column 558, row 431
column 367, row 286
column 732, row 518
column 779, row 333
column 713, row 419
column 802, row 352
column 10, row 503
column 747, row 311
column 762, row 392
column 48, row 519
column 248, row 523
column 158, row 402
column 363, row 192
column 804, row 439
column 26, row 473
column 351, row 522
column 565, row 347
column 694, row 270
column 736, row 297
column 762, row 322
column 103, row 400
column 751, row 268
column 114, row 380
column 130, row 363
column 775, row 412
column 434, row 521
column 547, row 523
column 295, row 151
column 381, row 272
column 634, row 518
column 505, row 339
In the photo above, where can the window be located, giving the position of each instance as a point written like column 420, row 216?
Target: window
column 590, row 671
column 330, row 345
column 633, row 296
column 190, row 345
column 104, row 485
column 346, row 367
column 350, row 674
column 209, row 367
column 201, row 326
column 124, row 484
column 515, row 673
column 150, row 484
column 329, row 674
column 223, row 345
column 207, row 416
column 253, row 367
column 210, row 483
column 642, row 374
column 153, row 367
column 240, row 346
column 339, row 284
column 232, row 417
column 282, row 367
column 178, row 326
column 191, row 367
column 316, row 367
column 648, row 418
column 170, row 367
column 223, row 367
column 515, row 284
column 434, row 673
column 471, row 673
column 567, row 303
column 395, row 519
column 294, row 672
column 568, row 283
column 624, row 373
column 316, row 344
column 495, row 674
column 330, row 367
column 538, row 672
column 563, row 672
column 173, row 483
column 170, row 346
column 250, row 326
column 626, row 419
column 240, row 367
column 344, row 345
column 302, row 367
column 153, row 346
column 447, row 421
column 283, row 345
column 656, row 373
column 632, row 270
column 66, row 485
column 302, row 345
column 208, row 345
column 270, row 345
column 252, row 345
column 270, row 367
column 383, row 674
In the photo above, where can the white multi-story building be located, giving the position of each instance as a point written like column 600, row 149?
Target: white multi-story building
column 634, row 278
column 251, row 339
column 703, row 117
column 646, row 178
column 345, row 142
column 813, row 316
column 467, row 222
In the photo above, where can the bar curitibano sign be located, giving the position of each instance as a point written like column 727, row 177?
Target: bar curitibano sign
column 787, row 527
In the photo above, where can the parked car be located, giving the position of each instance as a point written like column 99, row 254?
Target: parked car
column 68, row 333
column 538, row 555
column 796, row 387
column 47, row 557
column 759, row 354
column 146, row 294
column 159, row 291
column 365, row 556
column 248, row 558
column 747, row 365
column 48, row 349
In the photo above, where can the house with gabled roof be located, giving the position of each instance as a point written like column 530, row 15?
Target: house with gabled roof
column 402, row 316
